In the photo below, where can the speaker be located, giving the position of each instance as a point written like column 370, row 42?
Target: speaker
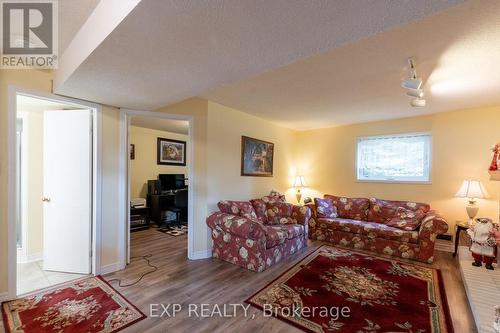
column 154, row 187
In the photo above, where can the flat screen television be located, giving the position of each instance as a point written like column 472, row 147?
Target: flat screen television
column 171, row 182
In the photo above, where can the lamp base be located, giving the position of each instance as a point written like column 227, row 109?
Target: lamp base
column 472, row 210
column 298, row 195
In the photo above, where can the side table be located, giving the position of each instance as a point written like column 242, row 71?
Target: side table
column 460, row 226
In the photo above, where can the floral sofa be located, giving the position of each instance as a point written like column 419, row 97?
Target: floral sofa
column 258, row 233
column 397, row 228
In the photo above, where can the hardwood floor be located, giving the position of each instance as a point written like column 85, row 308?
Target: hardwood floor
column 179, row 280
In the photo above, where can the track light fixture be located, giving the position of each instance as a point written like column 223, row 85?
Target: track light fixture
column 418, row 93
column 413, row 85
column 417, row 102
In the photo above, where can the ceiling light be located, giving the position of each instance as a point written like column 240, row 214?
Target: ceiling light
column 413, row 85
column 413, row 82
column 419, row 93
column 417, row 102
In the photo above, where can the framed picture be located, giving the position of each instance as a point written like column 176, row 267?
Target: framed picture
column 256, row 157
column 132, row 151
column 171, row 152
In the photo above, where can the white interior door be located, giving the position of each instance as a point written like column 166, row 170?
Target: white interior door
column 67, row 165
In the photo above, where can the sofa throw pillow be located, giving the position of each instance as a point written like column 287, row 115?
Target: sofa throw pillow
column 382, row 211
column 325, row 208
column 279, row 213
column 274, row 196
column 239, row 208
column 407, row 219
column 260, row 204
column 350, row 208
column 260, row 209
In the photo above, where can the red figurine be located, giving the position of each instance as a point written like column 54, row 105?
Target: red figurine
column 484, row 245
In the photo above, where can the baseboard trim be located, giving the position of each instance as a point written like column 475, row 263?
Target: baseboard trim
column 445, row 237
column 106, row 269
column 196, row 255
column 444, row 245
column 4, row 297
column 25, row 259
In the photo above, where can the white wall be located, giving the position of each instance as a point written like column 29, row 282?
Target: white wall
column 29, row 79
column 32, row 183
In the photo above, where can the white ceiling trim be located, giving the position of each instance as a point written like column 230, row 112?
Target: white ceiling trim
column 102, row 21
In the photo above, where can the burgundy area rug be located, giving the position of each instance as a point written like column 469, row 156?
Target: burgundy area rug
column 383, row 295
column 85, row 305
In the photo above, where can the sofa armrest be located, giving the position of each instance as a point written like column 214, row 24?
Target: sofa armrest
column 237, row 225
column 432, row 225
column 313, row 219
column 301, row 214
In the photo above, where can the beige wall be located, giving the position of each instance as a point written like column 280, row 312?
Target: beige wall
column 217, row 132
column 110, row 224
column 145, row 166
column 461, row 142
column 32, row 182
column 225, row 128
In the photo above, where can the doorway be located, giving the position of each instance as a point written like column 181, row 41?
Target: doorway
column 55, row 177
column 156, row 186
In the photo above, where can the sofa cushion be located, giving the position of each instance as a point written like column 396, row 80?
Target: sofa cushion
column 279, row 213
column 379, row 230
column 372, row 230
column 260, row 209
column 239, row 208
column 325, row 208
column 293, row 230
column 350, row 208
column 407, row 219
column 381, row 211
column 275, row 235
column 279, row 233
column 260, row 205
column 341, row 224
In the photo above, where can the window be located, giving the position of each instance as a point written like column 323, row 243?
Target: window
column 394, row 158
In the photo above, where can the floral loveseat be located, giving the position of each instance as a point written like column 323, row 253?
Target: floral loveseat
column 258, row 233
column 397, row 228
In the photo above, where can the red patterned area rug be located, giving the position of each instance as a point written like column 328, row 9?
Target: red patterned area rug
column 337, row 290
column 86, row 305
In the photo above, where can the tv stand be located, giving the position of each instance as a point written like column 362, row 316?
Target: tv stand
column 159, row 203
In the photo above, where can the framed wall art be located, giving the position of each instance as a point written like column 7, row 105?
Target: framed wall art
column 171, row 152
column 257, row 157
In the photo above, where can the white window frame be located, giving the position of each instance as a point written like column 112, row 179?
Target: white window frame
column 394, row 180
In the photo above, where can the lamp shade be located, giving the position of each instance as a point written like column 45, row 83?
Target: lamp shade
column 299, row 181
column 472, row 189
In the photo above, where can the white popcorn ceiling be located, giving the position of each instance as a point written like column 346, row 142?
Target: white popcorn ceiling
column 302, row 64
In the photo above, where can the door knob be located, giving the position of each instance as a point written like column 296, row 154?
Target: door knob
column 45, row 199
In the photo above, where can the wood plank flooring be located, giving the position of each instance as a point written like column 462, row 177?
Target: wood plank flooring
column 179, row 280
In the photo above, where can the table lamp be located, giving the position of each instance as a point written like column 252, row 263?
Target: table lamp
column 298, row 184
column 472, row 189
